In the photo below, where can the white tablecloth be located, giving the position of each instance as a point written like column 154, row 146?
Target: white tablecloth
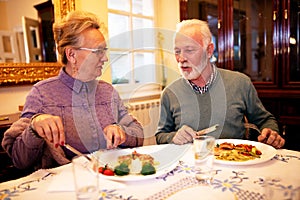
column 230, row 182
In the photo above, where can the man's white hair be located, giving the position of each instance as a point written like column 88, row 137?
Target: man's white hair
column 200, row 27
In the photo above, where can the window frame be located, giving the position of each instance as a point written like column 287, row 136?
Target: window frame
column 132, row 84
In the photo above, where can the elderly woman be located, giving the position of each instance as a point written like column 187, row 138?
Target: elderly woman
column 72, row 107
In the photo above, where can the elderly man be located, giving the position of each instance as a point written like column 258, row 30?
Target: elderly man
column 206, row 95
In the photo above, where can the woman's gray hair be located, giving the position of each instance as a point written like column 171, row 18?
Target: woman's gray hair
column 67, row 32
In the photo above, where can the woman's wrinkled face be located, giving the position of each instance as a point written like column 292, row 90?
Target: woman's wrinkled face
column 91, row 56
column 190, row 54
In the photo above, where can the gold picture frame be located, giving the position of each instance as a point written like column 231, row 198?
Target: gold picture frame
column 62, row 8
column 27, row 73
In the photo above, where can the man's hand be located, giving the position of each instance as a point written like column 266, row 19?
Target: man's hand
column 184, row 135
column 114, row 136
column 50, row 128
column 271, row 137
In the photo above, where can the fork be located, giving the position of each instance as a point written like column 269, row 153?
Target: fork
column 252, row 126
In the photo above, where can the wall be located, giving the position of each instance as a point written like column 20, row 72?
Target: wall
column 3, row 16
column 18, row 8
column 167, row 22
column 12, row 97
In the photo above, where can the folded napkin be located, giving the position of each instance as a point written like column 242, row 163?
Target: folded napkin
column 64, row 182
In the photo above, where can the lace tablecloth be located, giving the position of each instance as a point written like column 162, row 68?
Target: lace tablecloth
column 230, row 182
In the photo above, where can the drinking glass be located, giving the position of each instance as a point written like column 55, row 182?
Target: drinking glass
column 85, row 178
column 204, row 158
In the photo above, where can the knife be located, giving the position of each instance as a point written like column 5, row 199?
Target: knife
column 207, row 130
column 76, row 151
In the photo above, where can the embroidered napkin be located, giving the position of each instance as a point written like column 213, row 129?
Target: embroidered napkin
column 64, row 182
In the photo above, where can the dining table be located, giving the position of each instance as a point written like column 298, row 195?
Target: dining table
column 174, row 177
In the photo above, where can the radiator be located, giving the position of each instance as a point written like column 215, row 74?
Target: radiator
column 147, row 113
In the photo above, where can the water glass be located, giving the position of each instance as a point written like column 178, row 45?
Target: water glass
column 85, row 178
column 204, row 158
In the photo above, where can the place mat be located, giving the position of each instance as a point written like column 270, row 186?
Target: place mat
column 183, row 183
column 248, row 195
column 189, row 186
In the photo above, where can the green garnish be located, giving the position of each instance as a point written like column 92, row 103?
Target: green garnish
column 148, row 169
column 122, row 169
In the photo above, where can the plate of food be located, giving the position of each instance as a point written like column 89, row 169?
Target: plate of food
column 242, row 152
column 139, row 163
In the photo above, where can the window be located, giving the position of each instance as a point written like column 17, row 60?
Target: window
column 131, row 41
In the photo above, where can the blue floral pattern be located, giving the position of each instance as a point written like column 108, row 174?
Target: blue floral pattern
column 112, row 194
column 233, row 182
column 184, row 168
column 224, row 185
column 285, row 158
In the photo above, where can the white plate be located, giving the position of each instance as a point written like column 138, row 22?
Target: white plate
column 167, row 157
column 268, row 152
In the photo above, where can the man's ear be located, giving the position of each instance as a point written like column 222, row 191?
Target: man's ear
column 210, row 49
column 70, row 53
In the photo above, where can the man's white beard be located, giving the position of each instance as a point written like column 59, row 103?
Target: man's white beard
column 196, row 72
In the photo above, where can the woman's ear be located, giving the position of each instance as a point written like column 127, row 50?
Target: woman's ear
column 70, row 53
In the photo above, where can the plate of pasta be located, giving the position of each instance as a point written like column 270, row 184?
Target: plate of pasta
column 242, row 152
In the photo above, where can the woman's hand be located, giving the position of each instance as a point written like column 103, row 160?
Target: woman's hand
column 49, row 127
column 114, row 135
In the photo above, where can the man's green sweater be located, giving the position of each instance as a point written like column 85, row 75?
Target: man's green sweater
column 230, row 98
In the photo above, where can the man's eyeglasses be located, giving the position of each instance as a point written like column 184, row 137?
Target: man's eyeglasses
column 99, row 51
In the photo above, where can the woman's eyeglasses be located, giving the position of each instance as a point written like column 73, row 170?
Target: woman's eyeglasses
column 99, row 51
